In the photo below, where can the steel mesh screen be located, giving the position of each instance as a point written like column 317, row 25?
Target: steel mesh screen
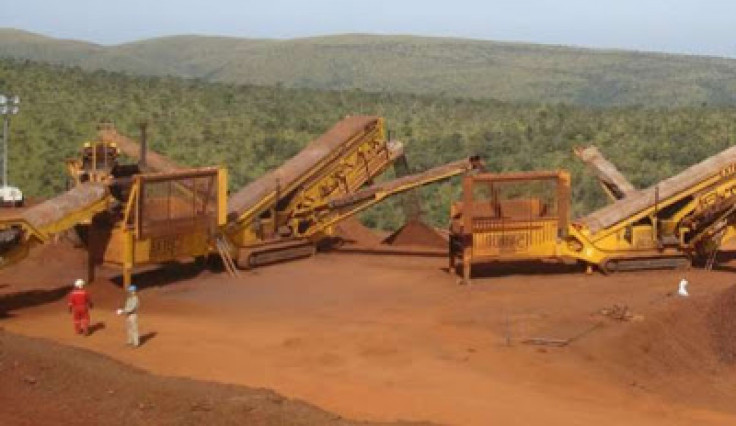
column 178, row 205
column 520, row 200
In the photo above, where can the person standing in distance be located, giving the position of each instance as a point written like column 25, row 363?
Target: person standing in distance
column 79, row 306
column 131, row 316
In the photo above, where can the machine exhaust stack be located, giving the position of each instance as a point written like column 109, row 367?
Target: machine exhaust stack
column 144, row 145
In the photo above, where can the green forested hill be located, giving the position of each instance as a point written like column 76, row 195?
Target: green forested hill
column 252, row 129
column 422, row 65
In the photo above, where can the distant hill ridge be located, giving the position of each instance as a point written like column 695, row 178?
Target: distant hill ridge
column 514, row 72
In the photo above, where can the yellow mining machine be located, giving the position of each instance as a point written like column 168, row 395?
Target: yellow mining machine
column 39, row 224
column 159, row 218
column 289, row 211
column 128, row 217
column 509, row 217
column 162, row 212
column 88, row 194
column 273, row 217
column 155, row 211
column 270, row 219
column 523, row 216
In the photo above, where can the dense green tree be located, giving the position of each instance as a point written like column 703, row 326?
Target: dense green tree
column 253, row 129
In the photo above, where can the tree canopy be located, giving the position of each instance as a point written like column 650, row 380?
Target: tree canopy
column 253, row 129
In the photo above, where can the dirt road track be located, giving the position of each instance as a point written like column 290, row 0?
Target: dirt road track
column 385, row 338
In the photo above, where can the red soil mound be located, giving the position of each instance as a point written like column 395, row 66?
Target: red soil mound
column 688, row 335
column 48, row 266
column 722, row 323
column 675, row 340
column 417, row 233
column 46, row 383
column 687, row 344
column 352, row 231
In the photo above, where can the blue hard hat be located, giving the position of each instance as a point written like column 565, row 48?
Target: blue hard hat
column 132, row 288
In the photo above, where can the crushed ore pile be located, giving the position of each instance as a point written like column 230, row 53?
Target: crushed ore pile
column 722, row 324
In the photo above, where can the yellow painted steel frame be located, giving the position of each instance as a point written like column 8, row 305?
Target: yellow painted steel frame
column 325, row 216
column 354, row 171
column 620, row 240
column 478, row 237
column 361, row 159
column 17, row 253
column 129, row 247
column 349, row 172
column 670, row 230
column 75, row 167
column 31, row 236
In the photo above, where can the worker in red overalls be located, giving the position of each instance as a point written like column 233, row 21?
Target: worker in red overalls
column 79, row 306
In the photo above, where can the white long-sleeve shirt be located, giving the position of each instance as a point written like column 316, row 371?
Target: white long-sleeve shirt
column 131, row 304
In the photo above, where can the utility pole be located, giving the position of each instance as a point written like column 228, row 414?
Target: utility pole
column 9, row 105
column 142, row 162
column 6, row 124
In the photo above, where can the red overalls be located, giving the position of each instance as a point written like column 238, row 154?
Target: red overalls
column 79, row 303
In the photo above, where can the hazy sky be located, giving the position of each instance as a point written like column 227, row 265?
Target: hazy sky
column 687, row 26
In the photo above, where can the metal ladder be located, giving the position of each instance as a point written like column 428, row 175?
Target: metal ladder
column 223, row 248
column 718, row 238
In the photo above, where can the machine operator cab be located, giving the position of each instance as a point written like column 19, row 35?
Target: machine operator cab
column 95, row 163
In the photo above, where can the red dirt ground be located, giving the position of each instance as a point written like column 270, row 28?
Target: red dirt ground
column 48, row 383
column 389, row 337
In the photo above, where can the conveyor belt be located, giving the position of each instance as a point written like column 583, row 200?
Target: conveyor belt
column 406, row 182
column 607, row 173
column 300, row 168
column 51, row 214
column 333, row 211
column 37, row 224
column 154, row 161
column 668, row 188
